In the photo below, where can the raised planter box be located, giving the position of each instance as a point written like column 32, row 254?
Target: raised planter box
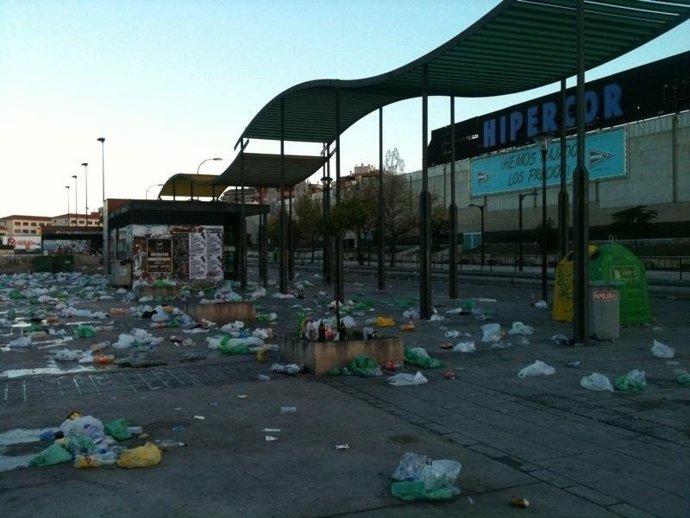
column 165, row 292
column 221, row 312
column 319, row 357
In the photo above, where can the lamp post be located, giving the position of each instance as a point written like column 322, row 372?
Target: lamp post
column 104, row 211
column 203, row 161
column 151, row 187
column 522, row 196
column 67, row 187
column 86, row 192
column 481, row 210
column 76, row 210
column 543, row 140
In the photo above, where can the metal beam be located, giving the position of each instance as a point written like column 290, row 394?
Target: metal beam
column 580, row 200
column 452, row 213
column 379, row 229
column 425, row 210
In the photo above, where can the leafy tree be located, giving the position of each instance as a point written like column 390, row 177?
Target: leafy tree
column 309, row 220
column 633, row 222
column 399, row 211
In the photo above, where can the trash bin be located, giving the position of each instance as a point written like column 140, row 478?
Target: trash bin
column 121, row 273
column 616, row 264
column 604, row 311
column 563, row 288
column 63, row 263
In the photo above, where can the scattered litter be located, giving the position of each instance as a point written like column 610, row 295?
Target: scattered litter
column 449, row 375
column 464, row 347
column 342, row 446
column 199, row 417
column 417, row 477
column 169, row 444
column 492, row 332
column 633, row 381
column 290, row 368
column 541, row 304
column 521, row 329
column 264, row 377
column 419, row 357
column 560, row 339
column 596, row 381
column 573, row 364
column 662, row 350
column 270, row 438
column 241, row 396
column 403, row 379
column 407, row 327
column 538, row 368
column 452, row 334
column 141, row 457
column 271, row 430
column 288, row 409
column 682, row 376
column 518, row 501
column 178, row 428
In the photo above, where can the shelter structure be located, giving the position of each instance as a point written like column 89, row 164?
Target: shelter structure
column 517, row 46
column 179, row 240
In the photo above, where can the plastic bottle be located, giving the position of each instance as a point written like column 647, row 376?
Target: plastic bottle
column 168, row 444
column 430, row 477
column 100, row 346
column 103, row 359
column 95, row 460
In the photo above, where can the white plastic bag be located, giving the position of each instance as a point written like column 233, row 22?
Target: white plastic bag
column 403, row 379
column 464, row 347
column 521, row 329
column 492, row 332
column 662, row 350
column 538, row 368
column 596, row 381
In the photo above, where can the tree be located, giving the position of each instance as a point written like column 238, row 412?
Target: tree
column 309, row 219
column 633, row 222
column 399, row 211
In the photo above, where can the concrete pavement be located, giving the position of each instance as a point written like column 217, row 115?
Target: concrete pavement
column 569, row 451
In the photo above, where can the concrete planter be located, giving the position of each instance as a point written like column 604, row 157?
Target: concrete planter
column 165, row 292
column 222, row 312
column 319, row 357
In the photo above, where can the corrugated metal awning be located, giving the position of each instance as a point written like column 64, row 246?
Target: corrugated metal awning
column 265, row 170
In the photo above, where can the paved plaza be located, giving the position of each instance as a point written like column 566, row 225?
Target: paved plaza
column 569, row 451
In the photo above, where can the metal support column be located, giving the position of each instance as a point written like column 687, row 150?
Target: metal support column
column 339, row 274
column 425, row 211
column 580, row 200
column 291, row 238
column 380, row 257
column 327, row 238
column 282, row 266
column 563, row 201
column 242, row 238
column 452, row 213
column 263, row 248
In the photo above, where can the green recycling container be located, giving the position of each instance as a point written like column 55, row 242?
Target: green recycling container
column 617, row 265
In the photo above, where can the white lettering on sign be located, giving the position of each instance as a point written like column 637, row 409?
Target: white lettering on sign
column 605, row 295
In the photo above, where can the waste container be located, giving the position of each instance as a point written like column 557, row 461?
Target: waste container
column 614, row 263
column 563, row 288
column 62, row 263
column 604, row 311
column 121, row 273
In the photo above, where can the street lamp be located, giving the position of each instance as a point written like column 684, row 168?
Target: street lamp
column 202, row 162
column 543, row 140
column 76, row 210
column 86, row 192
column 67, row 187
column 104, row 212
column 522, row 196
column 481, row 210
column 151, row 187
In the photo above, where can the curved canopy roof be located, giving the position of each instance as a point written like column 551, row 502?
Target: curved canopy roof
column 266, row 170
column 188, row 185
column 517, row 46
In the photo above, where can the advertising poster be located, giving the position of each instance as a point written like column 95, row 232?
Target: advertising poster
column 197, row 255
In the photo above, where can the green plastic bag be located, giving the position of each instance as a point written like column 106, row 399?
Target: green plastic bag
column 117, row 429
column 53, row 454
column 84, row 331
column 232, row 346
column 633, row 381
column 683, row 378
column 364, row 366
column 414, row 490
column 418, row 357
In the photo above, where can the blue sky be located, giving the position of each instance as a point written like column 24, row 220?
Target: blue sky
column 170, row 83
